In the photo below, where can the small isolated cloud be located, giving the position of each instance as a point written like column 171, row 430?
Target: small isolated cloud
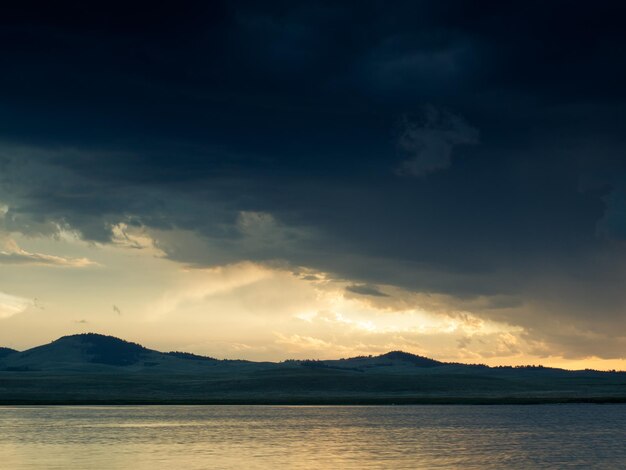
column 365, row 289
column 12, row 305
column 427, row 142
column 11, row 253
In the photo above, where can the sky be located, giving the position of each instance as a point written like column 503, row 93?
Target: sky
column 312, row 179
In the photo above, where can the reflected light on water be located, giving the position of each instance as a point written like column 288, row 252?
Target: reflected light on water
column 198, row 437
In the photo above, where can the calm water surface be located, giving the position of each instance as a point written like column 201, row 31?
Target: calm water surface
column 198, row 437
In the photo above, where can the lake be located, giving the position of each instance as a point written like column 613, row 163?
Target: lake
column 412, row 437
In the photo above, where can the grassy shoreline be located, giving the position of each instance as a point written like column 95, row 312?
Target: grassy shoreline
column 309, row 401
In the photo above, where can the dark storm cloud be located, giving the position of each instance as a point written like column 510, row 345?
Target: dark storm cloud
column 428, row 143
column 270, row 131
column 364, row 289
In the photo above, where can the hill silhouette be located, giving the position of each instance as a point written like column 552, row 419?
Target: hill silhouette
column 98, row 369
column 94, row 348
column 93, row 351
column 101, row 349
column 87, row 348
column 190, row 356
column 6, row 351
column 414, row 359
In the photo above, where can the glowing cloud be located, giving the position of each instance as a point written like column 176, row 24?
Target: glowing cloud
column 11, row 305
column 11, row 253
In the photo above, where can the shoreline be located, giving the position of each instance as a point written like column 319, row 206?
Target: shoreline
column 386, row 401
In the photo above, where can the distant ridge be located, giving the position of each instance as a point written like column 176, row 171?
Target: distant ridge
column 96, row 348
column 420, row 361
column 85, row 349
column 91, row 368
column 104, row 349
column 6, row 351
column 190, row 356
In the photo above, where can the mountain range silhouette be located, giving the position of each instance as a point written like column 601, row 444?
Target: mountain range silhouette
column 92, row 368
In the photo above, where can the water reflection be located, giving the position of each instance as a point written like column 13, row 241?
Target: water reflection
column 548, row 436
